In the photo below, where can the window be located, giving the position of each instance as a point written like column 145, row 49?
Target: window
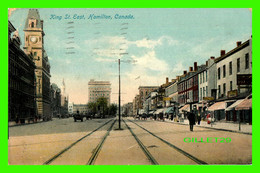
column 224, row 89
column 218, row 73
column 203, row 77
column 231, row 86
column 219, row 90
column 206, row 76
column 224, row 71
column 201, row 93
column 206, row 91
column 238, row 65
column 35, row 53
column 200, row 78
column 247, row 61
column 230, row 68
column 32, row 24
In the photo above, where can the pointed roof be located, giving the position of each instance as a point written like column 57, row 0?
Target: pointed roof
column 33, row 14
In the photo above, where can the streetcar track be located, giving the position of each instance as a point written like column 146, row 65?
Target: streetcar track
column 195, row 159
column 98, row 148
column 146, row 152
column 74, row 143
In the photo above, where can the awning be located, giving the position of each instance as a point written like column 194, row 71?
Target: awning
column 232, row 107
column 151, row 112
column 246, row 104
column 185, row 108
column 169, row 110
column 158, row 111
column 217, row 106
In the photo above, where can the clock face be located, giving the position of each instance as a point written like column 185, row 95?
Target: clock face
column 34, row 39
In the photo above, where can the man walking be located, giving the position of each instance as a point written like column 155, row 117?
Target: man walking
column 191, row 117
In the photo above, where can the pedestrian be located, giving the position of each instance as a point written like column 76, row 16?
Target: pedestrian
column 199, row 119
column 191, row 117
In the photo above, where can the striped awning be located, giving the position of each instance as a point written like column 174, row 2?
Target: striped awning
column 217, row 106
column 246, row 104
column 185, row 108
column 233, row 106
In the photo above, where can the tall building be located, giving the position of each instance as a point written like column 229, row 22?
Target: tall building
column 21, row 80
column 34, row 44
column 99, row 89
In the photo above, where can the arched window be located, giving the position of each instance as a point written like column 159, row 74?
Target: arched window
column 32, row 24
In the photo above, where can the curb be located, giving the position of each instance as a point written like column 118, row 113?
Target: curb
column 25, row 124
column 234, row 131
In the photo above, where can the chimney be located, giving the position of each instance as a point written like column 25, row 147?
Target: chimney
column 212, row 57
column 195, row 66
column 177, row 77
column 184, row 72
column 239, row 43
column 207, row 63
column 190, row 69
column 222, row 52
column 167, row 80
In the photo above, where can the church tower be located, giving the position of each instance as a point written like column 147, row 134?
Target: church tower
column 34, row 45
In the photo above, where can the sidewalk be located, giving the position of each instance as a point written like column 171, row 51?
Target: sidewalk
column 13, row 123
column 226, row 126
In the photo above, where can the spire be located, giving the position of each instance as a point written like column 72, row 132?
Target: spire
column 33, row 15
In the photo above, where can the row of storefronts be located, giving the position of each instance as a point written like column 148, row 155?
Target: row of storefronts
column 221, row 89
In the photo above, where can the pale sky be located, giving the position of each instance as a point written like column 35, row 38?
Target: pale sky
column 161, row 43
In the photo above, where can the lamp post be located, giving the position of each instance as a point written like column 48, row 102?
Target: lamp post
column 119, row 107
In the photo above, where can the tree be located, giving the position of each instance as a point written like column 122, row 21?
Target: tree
column 92, row 106
column 102, row 104
column 113, row 109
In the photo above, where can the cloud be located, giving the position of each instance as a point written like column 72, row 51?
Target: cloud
column 178, row 68
column 150, row 61
column 11, row 10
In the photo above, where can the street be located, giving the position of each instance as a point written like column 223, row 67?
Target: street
column 141, row 142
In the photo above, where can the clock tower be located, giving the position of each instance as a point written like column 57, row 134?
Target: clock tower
column 34, row 45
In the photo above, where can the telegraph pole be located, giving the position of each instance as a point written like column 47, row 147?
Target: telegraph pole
column 119, row 107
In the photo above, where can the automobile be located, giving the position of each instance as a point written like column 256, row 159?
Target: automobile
column 78, row 117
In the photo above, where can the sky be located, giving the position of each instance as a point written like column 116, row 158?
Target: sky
column 152, row 44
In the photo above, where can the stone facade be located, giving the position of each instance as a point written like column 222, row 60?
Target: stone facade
column 34, row 44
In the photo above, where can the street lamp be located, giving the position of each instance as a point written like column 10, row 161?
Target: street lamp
column 119, row 96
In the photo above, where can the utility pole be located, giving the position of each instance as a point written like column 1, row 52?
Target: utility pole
column 119, row 107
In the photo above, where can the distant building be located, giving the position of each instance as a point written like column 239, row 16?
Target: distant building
column 34, row 44
column 21, row 80
column 82, row 108
column 99, row 89
column 55, row 101
column 64, row 100
column 70, row 108
column 143, row 93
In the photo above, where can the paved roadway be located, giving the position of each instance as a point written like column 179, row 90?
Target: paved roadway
column 99, row 142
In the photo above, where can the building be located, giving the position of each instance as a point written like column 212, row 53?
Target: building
column 64, row 100
column 34, row 44
column 99, row 89
column 136, row 104
column 55, row 101
column 143, row 93
column 21, row 80
column 233, row 82
column 234, row 71
column 70, row 108
column 81, row 108
column 171, row 92
column 188, row 91
column 127, row 109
